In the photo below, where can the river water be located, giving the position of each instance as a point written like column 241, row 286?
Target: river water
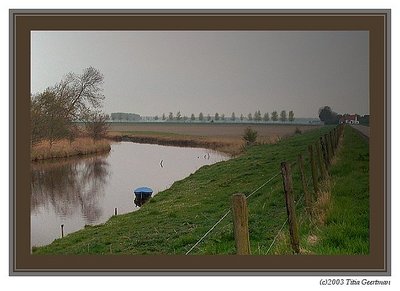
column 85, row 191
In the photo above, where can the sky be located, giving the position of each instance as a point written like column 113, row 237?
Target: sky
column 156, row 72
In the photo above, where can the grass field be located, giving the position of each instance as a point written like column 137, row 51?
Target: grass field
column 176, row 218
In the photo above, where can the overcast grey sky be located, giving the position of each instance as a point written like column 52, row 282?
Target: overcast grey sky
column 155, row 72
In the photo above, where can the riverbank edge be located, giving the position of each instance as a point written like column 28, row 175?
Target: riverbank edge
column 230, row 148
column 65, row 149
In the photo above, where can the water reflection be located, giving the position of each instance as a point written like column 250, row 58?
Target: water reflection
column 76, row 192
column 69, row 186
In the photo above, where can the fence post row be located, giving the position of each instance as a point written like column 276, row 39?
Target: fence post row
column 335, row 136
column 241, row 224
column 321, row 163
column 332, row 143
column 327, row 148
column 290, row 207
column 323, row 147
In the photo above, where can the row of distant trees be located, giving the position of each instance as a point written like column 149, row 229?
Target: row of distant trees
column 77, row 97
column 125, row 116
column 257, row 116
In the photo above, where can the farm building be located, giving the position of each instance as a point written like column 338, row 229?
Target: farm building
column 349, row 119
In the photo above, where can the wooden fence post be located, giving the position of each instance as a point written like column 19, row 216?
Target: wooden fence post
column 241, row 224
column 307, row 197
column 325, row 155
column 335, row 137
column 290, row 207
column 327, row 147
column 332, row 145
column 313, row 169
column 321, row 162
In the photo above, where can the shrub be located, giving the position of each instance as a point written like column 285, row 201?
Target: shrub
column 297, row 131
column 250, row 136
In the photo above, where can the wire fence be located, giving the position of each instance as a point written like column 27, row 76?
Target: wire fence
column 227, row 212
column 322, row 152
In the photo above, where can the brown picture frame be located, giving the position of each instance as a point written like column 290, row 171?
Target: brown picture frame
column 377, row 22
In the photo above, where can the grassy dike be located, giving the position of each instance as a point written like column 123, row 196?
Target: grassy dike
column 176, row 218
column 346, row 226
column 340, row 225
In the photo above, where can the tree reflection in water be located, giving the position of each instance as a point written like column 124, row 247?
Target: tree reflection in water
column 69, row 186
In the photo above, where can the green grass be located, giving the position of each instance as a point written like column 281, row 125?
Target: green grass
column 347, row 226
column 345, row 230
column 176, row 218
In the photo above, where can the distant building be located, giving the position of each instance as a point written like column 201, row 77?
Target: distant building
column 349, row 119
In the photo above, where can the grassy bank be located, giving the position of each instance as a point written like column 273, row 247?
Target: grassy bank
column 176, row 218
column 65, row 149
column 341, row 214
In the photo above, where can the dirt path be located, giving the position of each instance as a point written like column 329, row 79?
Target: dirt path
column 364, row 130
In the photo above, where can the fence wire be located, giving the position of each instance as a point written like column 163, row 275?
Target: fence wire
column 226, row 214
column 283, row 225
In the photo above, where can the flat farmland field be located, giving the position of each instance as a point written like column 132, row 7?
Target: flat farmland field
column 222, row 137
column 233, row 130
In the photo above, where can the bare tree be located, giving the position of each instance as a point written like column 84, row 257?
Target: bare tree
column 54, row 110
column 96, row 125
column 80, row 93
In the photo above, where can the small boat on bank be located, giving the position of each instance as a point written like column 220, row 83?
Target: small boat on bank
column 143, row 192
column 142, row 195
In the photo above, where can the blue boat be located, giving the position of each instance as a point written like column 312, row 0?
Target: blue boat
column 143, row 192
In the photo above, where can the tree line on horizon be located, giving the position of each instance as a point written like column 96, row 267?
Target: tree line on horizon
column 257, row 116
column 283, row 116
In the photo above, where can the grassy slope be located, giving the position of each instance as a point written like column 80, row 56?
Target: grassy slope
column 176, row 218
column 345, row 230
